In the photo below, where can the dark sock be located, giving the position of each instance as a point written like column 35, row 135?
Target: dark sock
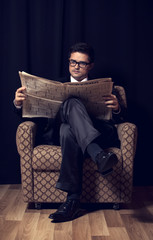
column 93, row 149
column 73, row 196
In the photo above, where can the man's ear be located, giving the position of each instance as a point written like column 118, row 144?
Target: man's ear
column 91, row 66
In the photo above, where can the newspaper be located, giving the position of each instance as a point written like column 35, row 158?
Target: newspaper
column 44, row 96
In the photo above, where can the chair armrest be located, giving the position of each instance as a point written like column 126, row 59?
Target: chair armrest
column 127, row 133
column 25, row 138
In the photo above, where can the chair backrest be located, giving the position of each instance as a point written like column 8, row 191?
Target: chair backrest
column 121, row 95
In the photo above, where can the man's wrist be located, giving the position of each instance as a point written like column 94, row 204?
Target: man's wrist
column 17, row 106
column 117, row 111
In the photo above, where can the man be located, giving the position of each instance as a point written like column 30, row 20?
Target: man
column 80, row 134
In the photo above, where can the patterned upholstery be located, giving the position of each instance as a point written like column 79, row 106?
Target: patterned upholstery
column 40, row 167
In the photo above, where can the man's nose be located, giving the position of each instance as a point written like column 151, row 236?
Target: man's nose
column 77, row 65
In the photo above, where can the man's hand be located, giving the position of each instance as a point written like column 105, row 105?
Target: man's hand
column 111, row 101
column 20, row 96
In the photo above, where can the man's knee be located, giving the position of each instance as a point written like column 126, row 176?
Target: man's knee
column 72, row 102
column 71, row 105
column 65, row 131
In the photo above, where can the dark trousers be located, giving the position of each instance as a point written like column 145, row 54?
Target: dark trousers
column 76, row 132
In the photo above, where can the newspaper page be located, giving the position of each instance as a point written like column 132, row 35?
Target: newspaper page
column 44, row 96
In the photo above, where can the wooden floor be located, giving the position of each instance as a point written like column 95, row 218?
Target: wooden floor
column 132, row 222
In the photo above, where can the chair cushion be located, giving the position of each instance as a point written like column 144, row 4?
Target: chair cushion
column 47, row 157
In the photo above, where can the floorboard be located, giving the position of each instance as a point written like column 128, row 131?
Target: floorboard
column 19, row 221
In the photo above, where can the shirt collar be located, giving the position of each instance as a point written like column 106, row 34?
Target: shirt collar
column 74, row 80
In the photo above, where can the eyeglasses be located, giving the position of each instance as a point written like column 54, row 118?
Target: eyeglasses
column 81, row 64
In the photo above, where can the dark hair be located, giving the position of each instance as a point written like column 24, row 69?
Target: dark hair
column 83, row 48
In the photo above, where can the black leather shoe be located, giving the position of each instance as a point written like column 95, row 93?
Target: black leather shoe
column 67, row 211
column 105, row 162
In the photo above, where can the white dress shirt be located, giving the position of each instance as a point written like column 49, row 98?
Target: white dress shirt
column 74, row 80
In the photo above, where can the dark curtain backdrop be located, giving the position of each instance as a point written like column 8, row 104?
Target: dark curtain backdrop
column 35, row 36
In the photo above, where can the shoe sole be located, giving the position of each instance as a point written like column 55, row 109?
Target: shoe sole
column 60, row 218
column 106, row 173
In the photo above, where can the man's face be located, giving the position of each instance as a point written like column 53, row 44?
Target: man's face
column 79, row 72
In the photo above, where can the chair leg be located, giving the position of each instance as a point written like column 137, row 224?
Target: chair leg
column 116, row 206
column 37, row 205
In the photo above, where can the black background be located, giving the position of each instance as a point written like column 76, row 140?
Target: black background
column 35, row 36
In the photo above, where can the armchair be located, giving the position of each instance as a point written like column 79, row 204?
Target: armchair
column 40, row 168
